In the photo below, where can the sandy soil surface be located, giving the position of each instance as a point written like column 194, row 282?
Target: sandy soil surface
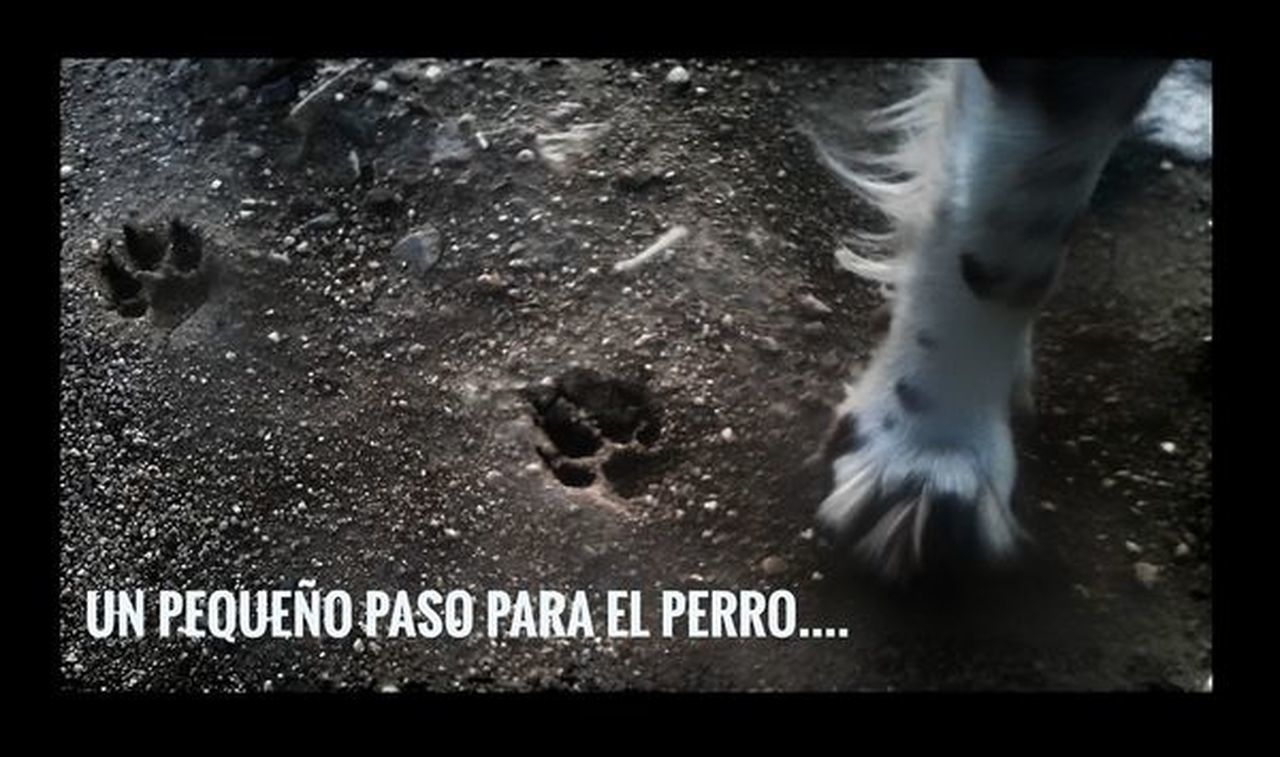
column 362, row 359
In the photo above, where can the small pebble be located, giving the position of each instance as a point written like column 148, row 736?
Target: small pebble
column 814, row 306
column 215, row 185
column 381, row 86
column 525, row 156
column 1132, row 548
column 382, row 199
column 769, row 344
column 275, row 337
column 727, row 434
column 678, row 76
column 1169, row 447
column 66, row 171
column 491, row 281
column 1146, row 573
column 773, row 565
column 420, row 249
column 1182, row 551
column 1048, row 506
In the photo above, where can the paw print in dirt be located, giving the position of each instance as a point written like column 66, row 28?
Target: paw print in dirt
column 599, row 429
column 164, row 272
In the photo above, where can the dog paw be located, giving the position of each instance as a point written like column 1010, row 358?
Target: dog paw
column 908, row 495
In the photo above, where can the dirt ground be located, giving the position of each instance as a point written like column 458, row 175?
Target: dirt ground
column 276, row 390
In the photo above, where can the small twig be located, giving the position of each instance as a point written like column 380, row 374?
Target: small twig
column 665, row 241
column 304, row 112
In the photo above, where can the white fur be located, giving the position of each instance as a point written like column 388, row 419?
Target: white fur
column 962, row 151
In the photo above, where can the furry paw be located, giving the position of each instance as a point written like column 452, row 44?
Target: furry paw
column 905, row 493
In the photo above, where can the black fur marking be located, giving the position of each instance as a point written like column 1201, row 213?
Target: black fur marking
column 844, row 534
column 982, row 280
column 844, row 438
column 911, row 398
column 1067, row 174
column 1047, row 226
column 951, row 532
column 1031, row 291
column 1142, row 93
column 881, row 318
column 995, row 284
column 1071, row 89
column 880, row 505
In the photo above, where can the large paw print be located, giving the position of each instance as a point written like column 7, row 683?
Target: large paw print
column 162, row 272
column 598, row 431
